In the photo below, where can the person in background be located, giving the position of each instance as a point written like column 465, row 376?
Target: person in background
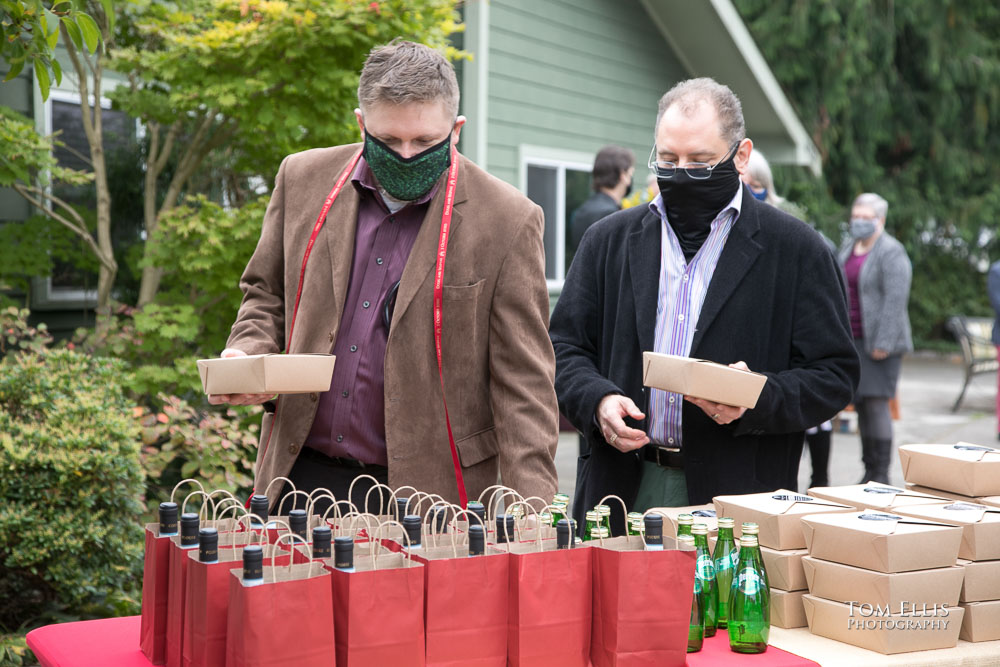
column 761, row 183
column 993, row 288
column 611, row 180
column 878, row 272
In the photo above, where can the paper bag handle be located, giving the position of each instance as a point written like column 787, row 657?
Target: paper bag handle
column 291, row 560
column 378, row 535
column 492, row 516
column 294, row 493
column 204, row 505
column 375, row 485
column 189, row 480
column 624, row 515
column 454, row 526
column 267, row 490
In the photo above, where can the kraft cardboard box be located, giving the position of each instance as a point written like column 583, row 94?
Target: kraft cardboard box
column 777, row 513
column 874, row 495
column 267, row 374
column 951, row 495
column 702, row 379
column 880, row 541
column 981, row 622
column 844, row 583
column 784, row 569
column 980, row 525
column 702, row 514
column 982, row 580
column 971, row 470
column 787, row 610
column 885, row 633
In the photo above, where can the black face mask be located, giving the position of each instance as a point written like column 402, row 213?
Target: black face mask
column 692, row 203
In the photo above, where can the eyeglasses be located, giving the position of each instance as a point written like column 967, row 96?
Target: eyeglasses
column 390, row 305
column 699, row 171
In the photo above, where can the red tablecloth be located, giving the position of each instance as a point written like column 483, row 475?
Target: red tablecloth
column 114, row 642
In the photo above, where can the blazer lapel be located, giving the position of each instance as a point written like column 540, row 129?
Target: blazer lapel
column 339, row 230
column 737, row 257
column 423, row 256
column 644, row 268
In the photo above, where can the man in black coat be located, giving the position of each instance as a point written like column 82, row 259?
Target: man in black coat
column 709, row 272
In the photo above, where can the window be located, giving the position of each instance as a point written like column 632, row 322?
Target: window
column 558, row 181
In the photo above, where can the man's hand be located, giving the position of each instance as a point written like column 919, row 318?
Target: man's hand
column 610, row 413
column 237, row 399
column 879, row 355
column 720, row 413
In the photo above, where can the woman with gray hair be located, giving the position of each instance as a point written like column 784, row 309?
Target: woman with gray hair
column 878, row 272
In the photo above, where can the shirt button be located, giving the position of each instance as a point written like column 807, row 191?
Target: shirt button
column 671, row 399
column 340, row 438
column 378, row 260
column 366, row 304
column 680, row 318
column 313, row 396
column 345, row 394
column 293, row 449
column 392, row 218
column 670, row 440
column 354, row 348
column 685, row 278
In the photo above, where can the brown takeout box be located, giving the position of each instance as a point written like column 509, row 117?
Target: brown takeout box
column 784, row 569
column 980, row 525
column 787, row 610
column 777, row 513
column 971, row 470
column 981, row 622
column 982, row 580
column 875, row 495
column 702, row 379
column 267, row 374
column 951, row 495
column 844, row 583
column 886, row 634
column 702, row 514
column 876, row 540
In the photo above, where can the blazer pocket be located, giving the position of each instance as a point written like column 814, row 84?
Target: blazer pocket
column 461, row 337
column 478, row 447
column 463, row 292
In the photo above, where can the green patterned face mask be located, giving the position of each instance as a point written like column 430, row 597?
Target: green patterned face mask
column 408, row 178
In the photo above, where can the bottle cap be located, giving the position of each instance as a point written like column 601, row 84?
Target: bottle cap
column 477, row 540
column 591, row 515
column 631, row 516
column 258, row 505
column 297, row 521
column 505, row 528
column 343, row 552
column 189, row 529
column 699, row 529
column 748, row 540
column 401, row 508
column 653, row 524
column 601, row 531
column 563, row 534
column 750, row 528
column 439, row 518
column 321, row 541
column 685, row 519
column 603, row 510
column 687, row 540
column 168, row 518
column 411, row 524
column 560, row 498
column 726, row 522
column 208, row 545
column 253, row 562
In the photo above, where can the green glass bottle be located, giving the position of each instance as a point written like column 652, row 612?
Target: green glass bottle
column 590, row 526
column 749, row 603
column 696, row 628
column 559, row 511
column 684, row 522
column 706, row 572
column 750, row 528
column 560, row 499
column 604, row 516
column 725, row 557
column 634, row 520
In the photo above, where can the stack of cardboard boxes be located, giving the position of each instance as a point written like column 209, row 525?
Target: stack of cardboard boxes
column 782, row 543
column 967, row 477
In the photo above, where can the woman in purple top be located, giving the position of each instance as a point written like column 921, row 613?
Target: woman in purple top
column 878, row 272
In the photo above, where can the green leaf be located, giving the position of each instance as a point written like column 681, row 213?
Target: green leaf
column 57, row 70
column 49, row 22
column 109, row 12
column 91, row 33
column 15, row 68
column 73, row 30
column 42, row 76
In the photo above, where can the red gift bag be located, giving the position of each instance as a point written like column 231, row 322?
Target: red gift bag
column 379, row 611
column 178, row 557
column 155, row 587
column 287, row 620
column 642, row 602
column 549, row 605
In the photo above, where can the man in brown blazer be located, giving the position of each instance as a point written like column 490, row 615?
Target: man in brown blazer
column 367, row 295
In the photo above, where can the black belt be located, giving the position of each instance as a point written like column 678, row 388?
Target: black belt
column 317, row 455
column 665, row 457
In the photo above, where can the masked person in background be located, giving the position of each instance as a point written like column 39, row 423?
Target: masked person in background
column 878, row 273
column 369, row 295
column 707, row 271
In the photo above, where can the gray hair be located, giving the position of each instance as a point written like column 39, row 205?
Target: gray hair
column 401, row 72
column 690, row 93
column 873, row 201
column 760, row 171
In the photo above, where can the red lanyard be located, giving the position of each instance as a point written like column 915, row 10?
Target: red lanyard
column 442, row 251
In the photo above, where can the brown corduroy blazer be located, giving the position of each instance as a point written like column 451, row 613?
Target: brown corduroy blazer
column 498, row 362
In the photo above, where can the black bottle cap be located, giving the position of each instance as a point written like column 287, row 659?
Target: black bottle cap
column 343, row 552
column 564, row 536
column 189, row 529
column 654, row 528
column 321, row 541
column 401, row 505
column 168, row 518
column 253, row 562
column 411, row 524
column 505, row 528
column 477, row 540
column 478, row 509
column 439, row 519
column 208, row 545
column 297, row 521
column 258, row 506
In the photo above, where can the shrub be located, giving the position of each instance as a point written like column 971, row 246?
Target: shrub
column 70, row 488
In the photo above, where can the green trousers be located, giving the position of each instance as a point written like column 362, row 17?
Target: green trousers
column 660, row 487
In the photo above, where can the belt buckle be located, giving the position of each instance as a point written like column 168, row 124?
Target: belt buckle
column 671, row 450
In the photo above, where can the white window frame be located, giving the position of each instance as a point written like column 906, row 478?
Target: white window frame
column 560, row 159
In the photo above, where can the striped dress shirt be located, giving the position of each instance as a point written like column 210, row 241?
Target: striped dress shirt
column 678, row 304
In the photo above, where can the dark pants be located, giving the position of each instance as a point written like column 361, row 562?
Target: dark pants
column 313, row 470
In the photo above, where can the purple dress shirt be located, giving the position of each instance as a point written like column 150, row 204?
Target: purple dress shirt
column 350, row 419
